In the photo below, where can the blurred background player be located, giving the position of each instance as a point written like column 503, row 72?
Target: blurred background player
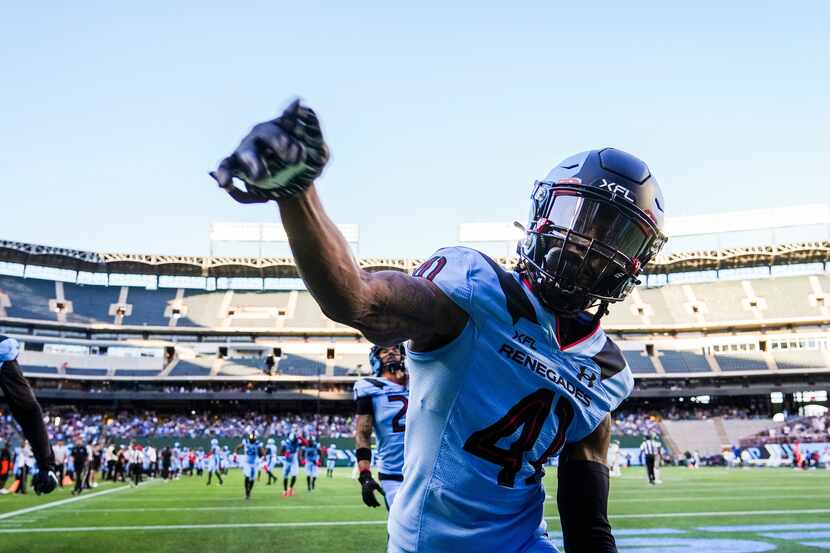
column 252, row 450
column 615, row 459
column 381, row 404
column 26, row 411
column 214, row 463
column 291, row 463
column 311, row 455
column 272, row 457
column 331, row 460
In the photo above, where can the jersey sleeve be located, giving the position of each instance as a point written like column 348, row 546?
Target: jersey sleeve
column 477, row 284
column 601, row 381
column 365, row 390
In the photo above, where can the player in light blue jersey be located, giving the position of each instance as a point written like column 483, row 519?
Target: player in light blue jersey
column 272, row 459
column 290, row 463
column 507, row 368
column 331, row 460
column 214, row 462
column 311, row 455
column 381, row 403
column 252, row 450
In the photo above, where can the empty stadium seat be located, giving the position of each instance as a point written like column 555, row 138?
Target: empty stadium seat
column 639, row 362
column 136, row 372
column 90, row 304
column 35, row 369
column 301, row 366
column 741, row 361
column 81, row 371
column 683, row 361
column 28, row 297
column 192, row 367
column 148, row 306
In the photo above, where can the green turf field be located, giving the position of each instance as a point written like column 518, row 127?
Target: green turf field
column 751, row 511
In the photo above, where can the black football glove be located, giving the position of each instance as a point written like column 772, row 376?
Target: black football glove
column 368, row 488
column 278, row 159
column 45, row 481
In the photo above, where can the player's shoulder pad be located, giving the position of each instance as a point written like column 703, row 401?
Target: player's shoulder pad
column 369, row 387
column 602, row 370
column 9, row 349
column 477, row 284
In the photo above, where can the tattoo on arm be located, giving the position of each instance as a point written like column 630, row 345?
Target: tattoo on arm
column 363, row 437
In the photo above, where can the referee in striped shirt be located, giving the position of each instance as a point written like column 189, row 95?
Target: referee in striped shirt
column 649, row 449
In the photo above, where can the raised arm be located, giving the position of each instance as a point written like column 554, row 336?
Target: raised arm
column 388, row 307
column 363, row 442
column 582, row 495
column 280, row 160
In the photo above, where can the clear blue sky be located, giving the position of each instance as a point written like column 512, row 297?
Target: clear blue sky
column 437, row 113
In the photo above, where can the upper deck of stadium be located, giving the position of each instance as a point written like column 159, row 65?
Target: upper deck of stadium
column 756, row 292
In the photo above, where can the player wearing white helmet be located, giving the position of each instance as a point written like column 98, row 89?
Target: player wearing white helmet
column 331, row 460
column 272, row 459
column 214, row 462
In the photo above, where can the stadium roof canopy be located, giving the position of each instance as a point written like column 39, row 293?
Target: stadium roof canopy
column 284, row 267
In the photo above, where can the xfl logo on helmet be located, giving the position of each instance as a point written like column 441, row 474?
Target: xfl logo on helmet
column 615, row 188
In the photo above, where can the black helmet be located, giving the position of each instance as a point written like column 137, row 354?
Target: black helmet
column 595, row 221
column 377, row 364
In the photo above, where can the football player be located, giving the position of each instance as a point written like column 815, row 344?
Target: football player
column 507, row 368
column 290, row 464
column 272, row 458
column 252, row 450
column 311, row 454
column 381, row 404
column 331, row 460
column 26, row 411
column 214, row 463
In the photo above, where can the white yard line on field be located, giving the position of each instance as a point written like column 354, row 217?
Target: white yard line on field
column 168, row 527
column 62, row 502
column 186, row 509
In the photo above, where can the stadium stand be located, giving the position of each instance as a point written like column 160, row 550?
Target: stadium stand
column 242, row 367
column 741, row 361
column 82, row 371
column 38, row 370
column 148, row 306
column 346, row 364
column 28, row 298
column 722, row 301
column 694, row 435
column 639, row 362
column 800, row 359
column 785, row 297
column 298, row 365
column 136, row 373
column 191, row 367
column 676, row 361
column 90, row 304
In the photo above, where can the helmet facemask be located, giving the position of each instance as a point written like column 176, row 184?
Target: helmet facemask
column 585, row 246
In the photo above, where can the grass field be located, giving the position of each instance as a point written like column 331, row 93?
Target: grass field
column 708, row 510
